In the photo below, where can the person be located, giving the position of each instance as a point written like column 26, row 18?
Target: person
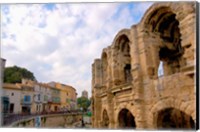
column 82, row 122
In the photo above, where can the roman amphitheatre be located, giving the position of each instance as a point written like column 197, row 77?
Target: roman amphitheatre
column 129, row 90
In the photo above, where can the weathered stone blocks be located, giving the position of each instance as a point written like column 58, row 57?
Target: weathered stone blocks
column 149, row 43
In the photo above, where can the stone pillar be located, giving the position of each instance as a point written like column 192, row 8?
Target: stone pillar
column 187, row 28
column 3, row 62
column 110, row 111
column 136, row 67
column 137, row 72
column 97, row 73
column 154, row 44
column 96, row 83
column 114, row 66
column 97, row 114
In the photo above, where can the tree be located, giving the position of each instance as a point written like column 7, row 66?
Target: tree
column 15, row 74
column 83, row 102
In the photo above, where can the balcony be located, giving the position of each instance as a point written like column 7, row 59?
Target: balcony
column 23, row 102
column 26, row 100
column 56, row 100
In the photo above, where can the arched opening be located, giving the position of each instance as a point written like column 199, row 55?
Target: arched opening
column 165, row 27
column 160, row 69
column 126, row 119
column 172, row 118
column 123, row 59
column 105, row 121
column 104, row 67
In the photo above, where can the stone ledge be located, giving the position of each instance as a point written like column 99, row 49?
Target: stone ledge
column 121, row 88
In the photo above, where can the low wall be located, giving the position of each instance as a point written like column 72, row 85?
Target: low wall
column 49, row 121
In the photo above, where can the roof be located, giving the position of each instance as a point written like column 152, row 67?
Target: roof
column 56, row 85
column 11, row 86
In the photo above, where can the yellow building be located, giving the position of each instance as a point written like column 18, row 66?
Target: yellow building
column 67, row 96
column 54, row 103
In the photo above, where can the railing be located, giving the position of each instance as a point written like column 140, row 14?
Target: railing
column 11, row 118
column 26, row 102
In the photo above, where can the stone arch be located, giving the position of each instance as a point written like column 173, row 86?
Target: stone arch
column 126, row 119
column 105, row 119
column 173, row 118
column 188, row 7
column 162, row 26
column 170, row 102
column 125, row 32
column 129, row 108
column 122, row 57
column 163, row 23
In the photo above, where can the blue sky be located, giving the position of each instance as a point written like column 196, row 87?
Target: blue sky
column 59, row 42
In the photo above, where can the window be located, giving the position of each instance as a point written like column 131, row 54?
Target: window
column 11, row 108
column 56, row 100
column 38, row 97
column 27, row 98
column 67, row 100
column 45, row 98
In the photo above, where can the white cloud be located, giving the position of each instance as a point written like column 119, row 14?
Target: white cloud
column 61, row 44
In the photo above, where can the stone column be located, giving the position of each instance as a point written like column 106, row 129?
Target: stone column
column 97, row 73
column 138, row 70
column 110, row 111
column 115, row 66
column 136, row 67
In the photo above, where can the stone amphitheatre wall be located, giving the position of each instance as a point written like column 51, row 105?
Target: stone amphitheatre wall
column 127, row 81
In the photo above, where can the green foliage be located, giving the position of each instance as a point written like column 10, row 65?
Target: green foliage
column 15, row 74
column 83, row 102
column 89, row 114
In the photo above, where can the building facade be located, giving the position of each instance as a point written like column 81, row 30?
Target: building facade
column 55, row 97
column 27, row 98
column 30, row 97
column 68, row 96
column 3, row 100
column 13, row 94
column 128, row 91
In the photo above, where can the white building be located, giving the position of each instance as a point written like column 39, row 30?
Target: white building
column 13, row 92
column 41, row 96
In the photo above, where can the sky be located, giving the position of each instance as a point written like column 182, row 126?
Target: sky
column 59, row 42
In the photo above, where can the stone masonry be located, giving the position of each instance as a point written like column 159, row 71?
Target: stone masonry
column 128, row 91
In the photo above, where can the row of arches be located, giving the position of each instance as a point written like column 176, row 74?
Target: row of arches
column 163, row 26
column 122, row 61
column 169, row 118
